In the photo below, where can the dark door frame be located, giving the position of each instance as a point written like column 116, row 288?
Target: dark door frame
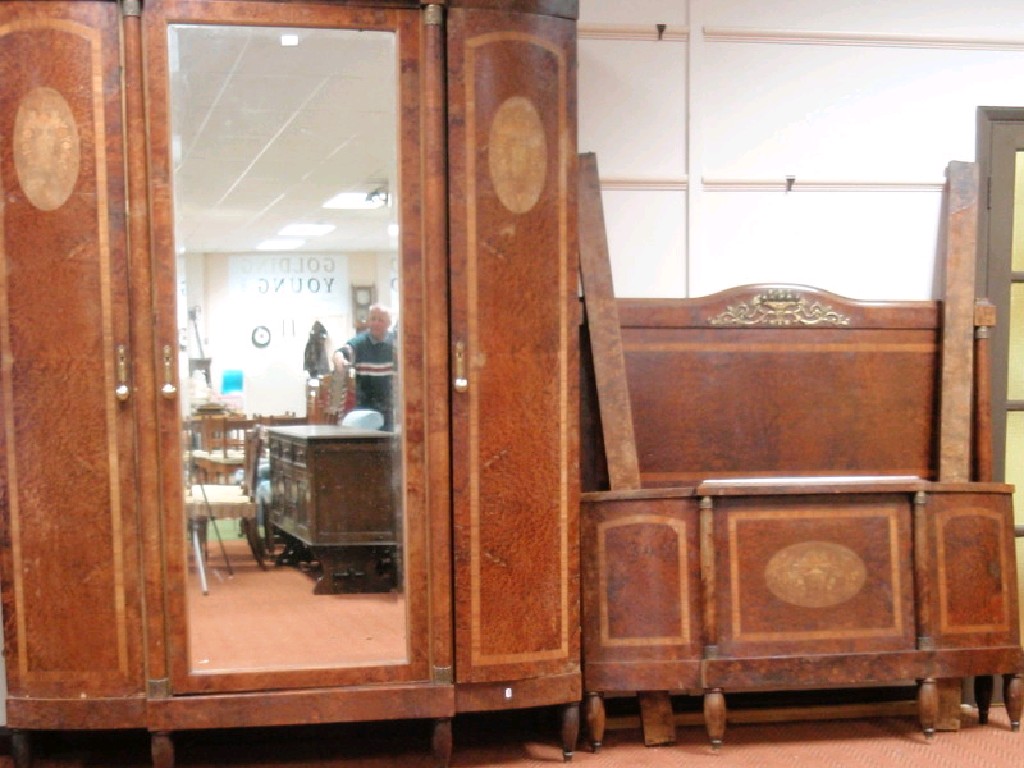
column 1000, row 135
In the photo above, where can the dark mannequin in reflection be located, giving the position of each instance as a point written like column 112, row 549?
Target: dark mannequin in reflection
column 371, row 354
column 314, row 356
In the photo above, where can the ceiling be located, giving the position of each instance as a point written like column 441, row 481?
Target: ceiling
column 264, row 134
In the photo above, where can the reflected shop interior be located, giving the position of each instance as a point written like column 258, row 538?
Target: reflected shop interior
column 286, row 213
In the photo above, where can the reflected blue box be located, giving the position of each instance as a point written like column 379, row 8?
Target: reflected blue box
column 231, row 382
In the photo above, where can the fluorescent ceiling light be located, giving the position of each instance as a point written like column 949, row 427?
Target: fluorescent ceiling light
column 355, row 201
column 306, row 230
column 289, row 40
column 280, row 244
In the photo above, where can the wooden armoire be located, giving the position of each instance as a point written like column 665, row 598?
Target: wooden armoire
column 96, row 572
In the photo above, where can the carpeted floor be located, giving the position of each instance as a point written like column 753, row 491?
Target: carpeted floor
column 529, row 739
column 271, row 619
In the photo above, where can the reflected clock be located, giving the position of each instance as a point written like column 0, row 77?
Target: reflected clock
column 260, row 336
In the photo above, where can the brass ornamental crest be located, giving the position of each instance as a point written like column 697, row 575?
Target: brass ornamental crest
column 780, row 306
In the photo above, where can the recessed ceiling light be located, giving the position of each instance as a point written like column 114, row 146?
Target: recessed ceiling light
column 306, row 230
column 280, row 244
column 355, row 201
column 289, row 40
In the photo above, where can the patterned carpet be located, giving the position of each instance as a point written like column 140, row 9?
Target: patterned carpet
column 529, row 740
column 259, row 619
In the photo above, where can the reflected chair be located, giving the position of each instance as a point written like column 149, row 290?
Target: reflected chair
column 254, row 471
column 206, row 503
column 221, row 450
column 199, row 510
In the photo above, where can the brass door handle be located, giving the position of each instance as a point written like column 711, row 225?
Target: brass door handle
column 461, row 383
column 122, row 391
column 168, row 390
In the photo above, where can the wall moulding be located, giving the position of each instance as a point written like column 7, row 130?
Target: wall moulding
column 635, row 33
column 867, row 40
column 644, row 185
column 818, row 185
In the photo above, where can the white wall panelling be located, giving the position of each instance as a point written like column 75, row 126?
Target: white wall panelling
column 924, row 17
column 636, row 120
column 879, row 245
column 646, row 230
column 633, row 13
column 865, row 104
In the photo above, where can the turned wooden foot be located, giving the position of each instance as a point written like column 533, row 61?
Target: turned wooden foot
column 570, row 729
column 983, row 696
column 21, row 749
column 714, row 716
column 161, row 749
column 441, row 743
column 928, row 705
column 1012, row 695
column 595, row 720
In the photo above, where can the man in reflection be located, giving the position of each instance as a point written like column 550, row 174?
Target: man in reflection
column 371, row 356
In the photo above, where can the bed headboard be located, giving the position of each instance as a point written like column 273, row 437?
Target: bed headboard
column 779, row 380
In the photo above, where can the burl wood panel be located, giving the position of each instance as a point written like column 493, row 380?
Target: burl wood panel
column 813, row 574
column 604, row 333
column 642, row 620
column 71, row 575
column 514, row 324
column 736, row 384
column 566, row 9
column 960, row 237
column 974, row 569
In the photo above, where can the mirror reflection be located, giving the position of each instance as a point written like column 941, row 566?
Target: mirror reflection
column 284, row 147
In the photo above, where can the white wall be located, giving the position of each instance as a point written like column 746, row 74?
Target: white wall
column 287, row 293
column 863, row 104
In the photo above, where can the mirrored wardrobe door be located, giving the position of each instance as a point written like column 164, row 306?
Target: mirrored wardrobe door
column 285, row 155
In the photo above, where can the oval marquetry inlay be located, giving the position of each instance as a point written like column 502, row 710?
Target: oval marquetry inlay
column 815, row 574
column 46, row 148
column 518, row 154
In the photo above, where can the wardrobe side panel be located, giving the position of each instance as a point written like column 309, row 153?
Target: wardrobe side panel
column 512, row 159
column 70, row 532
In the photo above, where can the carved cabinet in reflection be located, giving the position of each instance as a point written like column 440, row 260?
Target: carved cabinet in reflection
column 140, row 144
column 333, row 497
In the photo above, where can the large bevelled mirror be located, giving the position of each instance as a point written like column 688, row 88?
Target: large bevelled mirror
column 284, row 151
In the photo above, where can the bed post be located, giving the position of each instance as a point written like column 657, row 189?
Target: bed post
column 957, row 377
